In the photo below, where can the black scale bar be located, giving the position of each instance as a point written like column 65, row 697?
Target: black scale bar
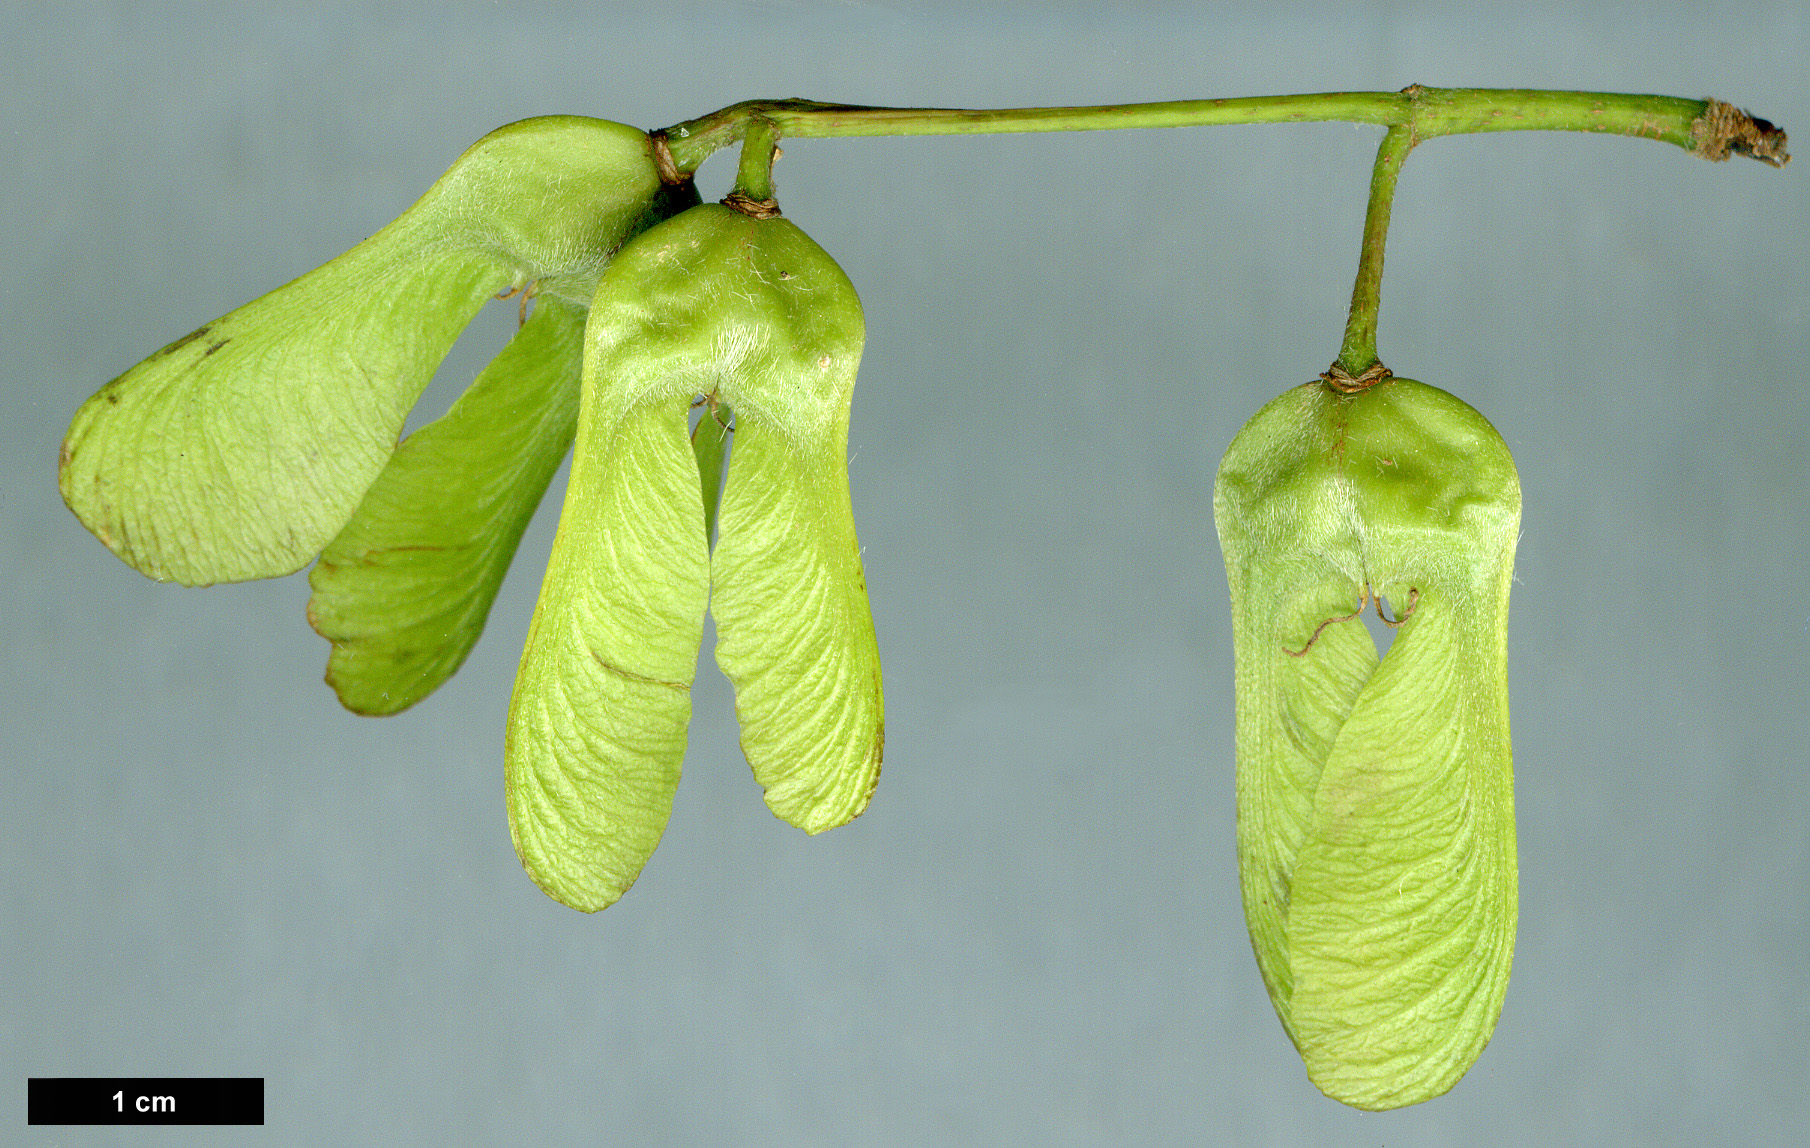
column 145, row 1100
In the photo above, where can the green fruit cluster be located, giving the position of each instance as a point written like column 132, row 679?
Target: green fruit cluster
column 1375, row 804
column 269, row 437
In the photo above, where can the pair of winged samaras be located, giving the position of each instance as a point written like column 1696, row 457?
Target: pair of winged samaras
column 753, row 315
column 1376, row 834
column 270, row 436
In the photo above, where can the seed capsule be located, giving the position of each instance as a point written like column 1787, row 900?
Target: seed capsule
column 1375, row 798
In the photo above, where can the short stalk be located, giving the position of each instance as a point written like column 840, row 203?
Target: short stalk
column 1358, row 354
column 754, row 176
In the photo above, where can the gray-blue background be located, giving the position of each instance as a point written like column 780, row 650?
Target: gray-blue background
column 1034, row 937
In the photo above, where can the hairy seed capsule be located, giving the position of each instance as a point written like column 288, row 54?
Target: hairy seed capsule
column 1375, row 797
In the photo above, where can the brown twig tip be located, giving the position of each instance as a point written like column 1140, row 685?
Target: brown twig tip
column 752, row 208
column 1724, row 130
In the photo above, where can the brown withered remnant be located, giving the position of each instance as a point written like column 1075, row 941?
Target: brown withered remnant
column 1724, row 130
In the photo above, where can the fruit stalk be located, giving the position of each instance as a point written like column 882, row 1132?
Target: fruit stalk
column 754, row 175
column 1358, row 354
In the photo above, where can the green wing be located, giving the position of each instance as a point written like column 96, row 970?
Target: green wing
column 597, row 722
column 1401, row 929
column 241, row 449
column 1375, row 800
column 404, row 589
column 237, row 451
column 794, row 632
column 1291, row 711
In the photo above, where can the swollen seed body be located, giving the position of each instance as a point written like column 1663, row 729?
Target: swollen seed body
column 1375, row 796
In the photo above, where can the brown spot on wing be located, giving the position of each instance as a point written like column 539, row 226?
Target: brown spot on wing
column 634, row 677
column 184, row 341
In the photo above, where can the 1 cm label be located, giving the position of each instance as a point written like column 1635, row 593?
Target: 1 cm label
column 144, row 1103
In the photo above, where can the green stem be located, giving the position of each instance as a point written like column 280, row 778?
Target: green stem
column 754, row 176
column 1708, row 128
column 1359, row 352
